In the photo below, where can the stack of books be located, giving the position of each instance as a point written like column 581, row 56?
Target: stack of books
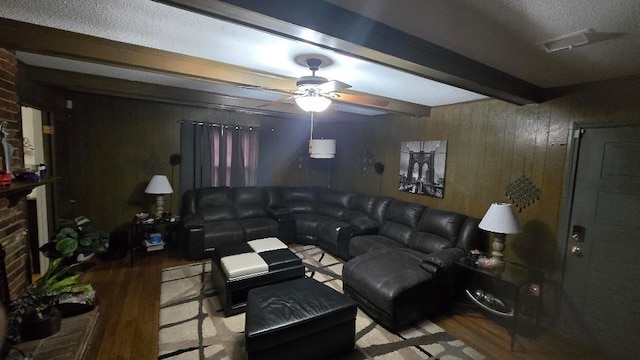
column 154, row 242
column 153, row 246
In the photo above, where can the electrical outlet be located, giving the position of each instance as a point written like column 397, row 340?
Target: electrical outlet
column 534, row 289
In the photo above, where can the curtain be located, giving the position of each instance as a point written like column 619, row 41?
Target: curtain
column 217, row 155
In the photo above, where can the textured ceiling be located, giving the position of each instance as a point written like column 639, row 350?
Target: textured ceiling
column 503, row 34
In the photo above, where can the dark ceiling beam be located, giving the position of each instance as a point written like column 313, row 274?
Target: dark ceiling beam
column 37, row 39
column 137, row 90
column 49, row 41
column 355, row 35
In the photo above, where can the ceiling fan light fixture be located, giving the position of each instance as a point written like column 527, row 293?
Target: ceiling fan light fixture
column 315, row 103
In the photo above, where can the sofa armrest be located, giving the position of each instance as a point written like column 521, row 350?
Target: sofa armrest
column 278, row 212
column 190, row 221
column 442, row 259
column 364, row 226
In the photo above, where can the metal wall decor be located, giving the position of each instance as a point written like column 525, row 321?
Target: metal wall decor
column 522, row 192
column 300, row 158
column 365, row 161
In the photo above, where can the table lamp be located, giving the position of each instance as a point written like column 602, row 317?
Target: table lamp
column 499, row 220
column 159, row 185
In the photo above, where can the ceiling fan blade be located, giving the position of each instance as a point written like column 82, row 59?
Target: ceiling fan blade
column 333, row 85
column 362, row 99
column 279, row 101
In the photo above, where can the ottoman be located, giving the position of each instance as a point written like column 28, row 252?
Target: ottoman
column 239, row 268
column 298, row 319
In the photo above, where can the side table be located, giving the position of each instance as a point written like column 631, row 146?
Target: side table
column 509, row 290
column 139, row 232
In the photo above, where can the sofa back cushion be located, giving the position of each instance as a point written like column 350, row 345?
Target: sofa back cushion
column 188, row 205
column 471, row 237
column 437, row 229
column 215, row 203
column 273, row 196
column 379, row 208
column 250, row 202
column 332, row 203
column 401, row 220
column 299, row 200
column 362, row 203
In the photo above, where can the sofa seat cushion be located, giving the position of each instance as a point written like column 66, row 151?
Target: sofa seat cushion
column 386, row 279
column 258, row 228
column 221, row 233
column 363, row 244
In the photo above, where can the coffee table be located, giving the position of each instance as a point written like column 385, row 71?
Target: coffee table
column 239, row 268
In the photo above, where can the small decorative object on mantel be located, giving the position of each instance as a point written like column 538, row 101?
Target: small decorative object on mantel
column 7, row 148
column 522, row 192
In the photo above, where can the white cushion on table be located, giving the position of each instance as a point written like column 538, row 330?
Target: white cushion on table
column 267, row 244
column 243, row 265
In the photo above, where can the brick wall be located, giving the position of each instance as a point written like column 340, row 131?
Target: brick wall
column 13, row 219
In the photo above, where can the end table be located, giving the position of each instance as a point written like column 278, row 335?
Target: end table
column 508, row 290
column 140, row 232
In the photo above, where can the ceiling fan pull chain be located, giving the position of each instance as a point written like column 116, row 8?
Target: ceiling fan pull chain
column 311, row 134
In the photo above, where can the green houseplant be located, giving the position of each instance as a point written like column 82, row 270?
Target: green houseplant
column 37, row 313
column 77, row 237
column 33, row 315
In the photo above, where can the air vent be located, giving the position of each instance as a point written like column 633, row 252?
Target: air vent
column 567, row 42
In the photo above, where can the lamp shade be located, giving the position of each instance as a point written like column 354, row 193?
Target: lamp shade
column 500, row 219
column 313, row 102
column 159, row 184
column 322, row 148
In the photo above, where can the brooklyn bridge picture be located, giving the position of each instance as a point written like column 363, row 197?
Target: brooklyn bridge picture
column 422, row 165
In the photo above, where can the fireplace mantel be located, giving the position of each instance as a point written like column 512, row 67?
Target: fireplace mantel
column 18, row 189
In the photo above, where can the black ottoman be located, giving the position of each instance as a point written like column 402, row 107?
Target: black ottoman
column 298, row 319
column 278, row 265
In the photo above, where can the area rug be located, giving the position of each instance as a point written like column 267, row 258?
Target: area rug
column 193, row 326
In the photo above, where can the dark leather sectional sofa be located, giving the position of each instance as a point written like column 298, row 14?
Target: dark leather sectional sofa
column 399, row 253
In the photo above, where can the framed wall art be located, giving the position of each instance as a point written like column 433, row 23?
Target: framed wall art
column 422, row 165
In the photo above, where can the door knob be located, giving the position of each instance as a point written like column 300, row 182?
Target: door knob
column 575, row 250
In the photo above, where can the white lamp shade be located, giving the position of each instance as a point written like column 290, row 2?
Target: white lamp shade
column 315, row 103
column 322, row 148
column 159, row 184
column 500, row 219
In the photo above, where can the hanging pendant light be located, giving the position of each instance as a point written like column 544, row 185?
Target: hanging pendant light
column 321, row 148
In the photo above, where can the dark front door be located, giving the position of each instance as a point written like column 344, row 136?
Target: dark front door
column 601, row 299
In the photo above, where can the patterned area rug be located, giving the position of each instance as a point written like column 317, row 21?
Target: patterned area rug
column 193, row 326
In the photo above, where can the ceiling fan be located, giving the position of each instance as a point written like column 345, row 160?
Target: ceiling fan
column 315, row 93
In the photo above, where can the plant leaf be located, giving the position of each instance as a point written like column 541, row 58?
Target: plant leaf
column 67, row 246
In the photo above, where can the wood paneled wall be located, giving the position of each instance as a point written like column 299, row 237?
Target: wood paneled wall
column 117, row 144
column 491, row 143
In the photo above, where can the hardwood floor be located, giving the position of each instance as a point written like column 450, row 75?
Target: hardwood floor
column 129, row 303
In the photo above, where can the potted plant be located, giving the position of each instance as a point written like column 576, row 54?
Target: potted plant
column 34, row 314
column 77, row 238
